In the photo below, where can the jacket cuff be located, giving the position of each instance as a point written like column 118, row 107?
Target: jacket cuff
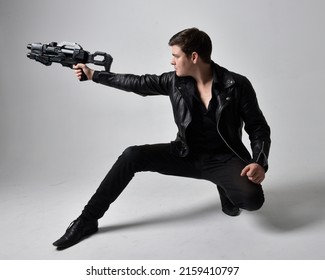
column 96, row 76
column 262, row 161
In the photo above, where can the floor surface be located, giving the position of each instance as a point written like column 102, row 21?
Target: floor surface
column 162, row 217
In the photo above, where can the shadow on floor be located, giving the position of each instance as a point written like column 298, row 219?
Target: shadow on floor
column 293, row 206
column 289, row 207
column 196, row 213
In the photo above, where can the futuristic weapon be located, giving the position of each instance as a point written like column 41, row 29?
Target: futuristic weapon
column 67, row 54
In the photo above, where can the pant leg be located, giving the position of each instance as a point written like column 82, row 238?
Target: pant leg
column 239, row 190
column 155, row 158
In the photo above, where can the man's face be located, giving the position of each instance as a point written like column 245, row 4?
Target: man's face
column 181, row 62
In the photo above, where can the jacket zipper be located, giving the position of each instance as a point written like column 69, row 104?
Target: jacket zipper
column 224, row 140
column 262, row 151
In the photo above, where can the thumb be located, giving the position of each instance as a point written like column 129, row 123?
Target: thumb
column 79, row 66
column 245, row 170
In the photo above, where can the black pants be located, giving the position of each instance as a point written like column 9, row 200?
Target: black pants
column 224, row 172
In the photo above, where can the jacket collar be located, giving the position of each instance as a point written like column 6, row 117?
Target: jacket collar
column 222, row 76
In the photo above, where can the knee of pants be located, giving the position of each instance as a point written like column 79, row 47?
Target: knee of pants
column 254, row 200
column 132, row 155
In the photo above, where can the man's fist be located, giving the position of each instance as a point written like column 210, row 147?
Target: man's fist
column 83, row 70
column 254, row 172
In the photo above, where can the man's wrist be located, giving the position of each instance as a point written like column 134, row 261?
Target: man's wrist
column 95, row 76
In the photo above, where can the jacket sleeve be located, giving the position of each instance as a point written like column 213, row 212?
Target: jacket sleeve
column 255, row 125
column 143, row 85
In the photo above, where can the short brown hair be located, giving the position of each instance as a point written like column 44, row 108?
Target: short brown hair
column 193, row 40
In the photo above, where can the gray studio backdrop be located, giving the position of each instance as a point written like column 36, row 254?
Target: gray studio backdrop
column 55, row 129
column 50, row 122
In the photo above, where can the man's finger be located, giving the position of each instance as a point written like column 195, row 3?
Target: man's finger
column 79, row 65
column 244, row 171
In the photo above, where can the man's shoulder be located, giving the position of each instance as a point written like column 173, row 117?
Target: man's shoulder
column 226, row 74
column 168, row 76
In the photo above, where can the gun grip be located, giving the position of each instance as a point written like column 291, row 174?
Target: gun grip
column 83, row 76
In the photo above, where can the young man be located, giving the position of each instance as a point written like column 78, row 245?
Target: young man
column 210, row 105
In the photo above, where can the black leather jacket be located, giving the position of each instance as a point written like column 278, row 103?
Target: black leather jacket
column 237, row 105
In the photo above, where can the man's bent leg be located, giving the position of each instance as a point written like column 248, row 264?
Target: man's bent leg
column 240, row 191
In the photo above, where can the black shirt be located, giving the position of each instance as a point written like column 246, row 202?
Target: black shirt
column 202, row 135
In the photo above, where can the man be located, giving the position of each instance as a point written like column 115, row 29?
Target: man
column 210, row 105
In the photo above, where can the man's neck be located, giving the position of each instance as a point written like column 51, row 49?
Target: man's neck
column 204, row 78
column 204, row 74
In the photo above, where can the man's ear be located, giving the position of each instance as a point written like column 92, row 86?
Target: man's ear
column 194, row 57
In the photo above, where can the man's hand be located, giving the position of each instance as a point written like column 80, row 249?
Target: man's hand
column 79, row 68
column 254, row 172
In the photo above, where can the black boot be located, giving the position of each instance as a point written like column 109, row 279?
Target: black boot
column 77, row 230
column 227, row 206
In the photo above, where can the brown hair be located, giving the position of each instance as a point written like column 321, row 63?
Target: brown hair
column 193, row 40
